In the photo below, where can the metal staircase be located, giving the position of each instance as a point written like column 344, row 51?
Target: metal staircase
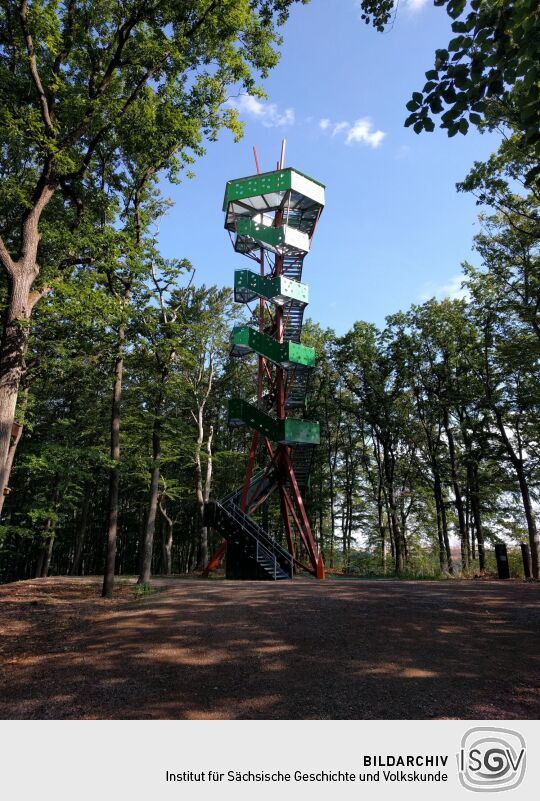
column 251, row 552
column 302, row 458
column 292, row 266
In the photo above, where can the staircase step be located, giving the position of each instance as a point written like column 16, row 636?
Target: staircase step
column 257, row 546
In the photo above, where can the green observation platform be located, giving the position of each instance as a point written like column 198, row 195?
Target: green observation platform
column 279, row 290
column 281, row 239
column 285, row 354
column 288, row 431
column 275, row 210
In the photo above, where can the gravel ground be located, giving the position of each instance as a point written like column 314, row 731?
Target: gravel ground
column 304, row 649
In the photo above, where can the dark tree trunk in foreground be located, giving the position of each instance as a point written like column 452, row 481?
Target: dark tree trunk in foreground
column 48, row 556
column 14, row 441
column 472, row 472
column 114, row 472
column 203, row 494
column 45, row 553
column 439, row 499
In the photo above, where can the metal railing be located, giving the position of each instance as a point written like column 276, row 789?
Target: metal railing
column 264, row 544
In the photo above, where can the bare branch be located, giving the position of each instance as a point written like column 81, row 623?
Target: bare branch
column 210, row 379
column 43, row 102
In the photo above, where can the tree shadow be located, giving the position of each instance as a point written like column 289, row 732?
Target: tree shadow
column 302, row 649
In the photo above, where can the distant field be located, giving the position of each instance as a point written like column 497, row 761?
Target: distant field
column 302, row 649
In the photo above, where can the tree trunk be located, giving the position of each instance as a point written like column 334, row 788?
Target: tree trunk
column 114, row 472
column 81, row 533
column 470, row 551
column 382, row 527
column 534, row 539
column 463, row 538
column 206, row 496
column 517, row 463
column 397, row 537
column 45, row 552
column 199, row 490
column 389, row 492
column 21, row 274
column 472, row 472
column 40, row 560
column 148, row 542
column 48, row 555
column 439, row 530
column 202, row 486
column 332, row 462
column 13, row 444
column 12, row 352
column 444, row 523
column 167, row 540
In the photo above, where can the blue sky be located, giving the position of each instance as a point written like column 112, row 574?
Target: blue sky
column 394, row 230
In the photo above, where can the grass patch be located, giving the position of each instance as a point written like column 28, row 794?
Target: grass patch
column 144, row 590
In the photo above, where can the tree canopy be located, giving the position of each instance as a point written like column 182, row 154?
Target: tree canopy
column 487, row 73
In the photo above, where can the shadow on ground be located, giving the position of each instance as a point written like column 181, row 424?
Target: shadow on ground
column 218, row 649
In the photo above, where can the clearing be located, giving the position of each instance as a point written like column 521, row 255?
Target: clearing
column 302, row 649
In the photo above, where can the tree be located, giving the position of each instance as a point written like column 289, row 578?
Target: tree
column 381, row 405
column 491, row 63
column 207, row 318
column 74, row 78
column 160, row 351
column 504, row 309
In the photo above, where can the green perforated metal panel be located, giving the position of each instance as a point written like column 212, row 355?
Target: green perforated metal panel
column 242, row 413
column 267, row 183
column 281, row 239
column 287, row 354
column 279, row 289
column 291, row 432
column 300, row 432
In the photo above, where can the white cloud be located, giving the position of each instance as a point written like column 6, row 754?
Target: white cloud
column 362, row 131
column 340, row 127
column 359, row 131
column 268, row 114
column 415, row 5
column 451, row 289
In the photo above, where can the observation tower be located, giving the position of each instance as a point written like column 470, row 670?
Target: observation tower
column 271, row 218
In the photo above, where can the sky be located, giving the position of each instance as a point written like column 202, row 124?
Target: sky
column 394, row 230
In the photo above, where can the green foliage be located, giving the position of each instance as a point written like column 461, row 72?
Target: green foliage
column 488, row 72
column 429, row 432
column 96, row 98
column 141, row 591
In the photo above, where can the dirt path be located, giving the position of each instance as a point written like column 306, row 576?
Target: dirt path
column 218, row 649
